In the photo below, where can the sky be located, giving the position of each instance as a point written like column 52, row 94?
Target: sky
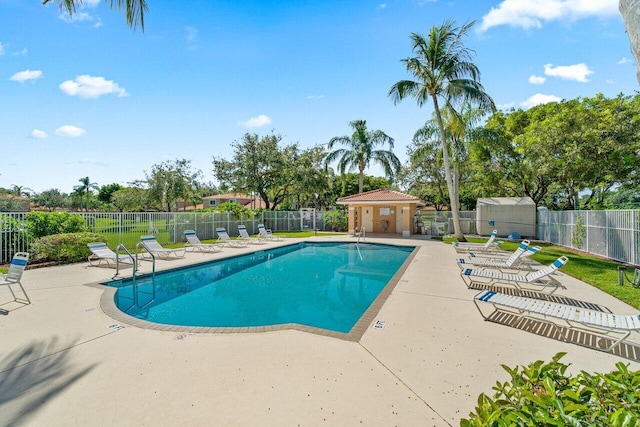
column 88, row 96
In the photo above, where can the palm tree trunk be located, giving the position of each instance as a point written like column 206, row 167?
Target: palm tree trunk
column 361, row 179
column 453, row 193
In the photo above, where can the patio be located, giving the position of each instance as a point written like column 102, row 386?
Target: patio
column 62, row 364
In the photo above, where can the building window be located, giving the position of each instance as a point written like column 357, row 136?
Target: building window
column 213, row 202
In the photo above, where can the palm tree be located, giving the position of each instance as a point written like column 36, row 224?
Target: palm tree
column 20, row 190
column 134, row 9
column 361, row 151
column 443, row 71
column 85, row 188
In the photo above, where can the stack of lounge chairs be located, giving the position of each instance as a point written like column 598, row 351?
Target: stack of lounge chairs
column 515, row 290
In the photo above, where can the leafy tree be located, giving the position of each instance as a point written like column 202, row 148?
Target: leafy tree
column 626, row 197
column 51, row 199
column 348, row 184
column 20, row 190
column 361, row 150
column 85, row 188
column 443, row 71
column 236, row 209
column 9, row 204
column 106, row 192
column 134, row 9
column 262, row 166
column 172, row 181
column 130, row 199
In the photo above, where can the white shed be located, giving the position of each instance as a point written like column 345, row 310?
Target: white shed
column 507, row 215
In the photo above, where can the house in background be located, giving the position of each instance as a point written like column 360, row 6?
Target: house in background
column 382, row 211
column 251, row 202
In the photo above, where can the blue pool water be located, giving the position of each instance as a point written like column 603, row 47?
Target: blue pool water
column 325, row 285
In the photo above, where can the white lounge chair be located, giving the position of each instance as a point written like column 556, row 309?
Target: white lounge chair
column 541, row 278
column 14, row 276
column 100, row 252
column 151, row 245
column 194, row 242
column 223, row 238
column 491, row 245
column 575, row 317
column 267, row 234
column 510, row 262
column 244, row 235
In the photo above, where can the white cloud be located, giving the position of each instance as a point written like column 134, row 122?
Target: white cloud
column 93, row 162
column 1, row 49
column 537, row 99
column 77, row 17
column 91, row 3
column 69, row 130
column 507, row 106
column 39, row 134
column 577, row 72
column 610, row 82
column 22, row 52
column 23, row 76
column 315, row 96
column 98, row 23
column 537, row 80
column 624, row 60
column 192, row 34
column 382, row 6
column 256, row 122
column 86, row 86
column 528, row 14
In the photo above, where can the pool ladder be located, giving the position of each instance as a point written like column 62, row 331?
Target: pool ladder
column 135, row 261
column 363, row 234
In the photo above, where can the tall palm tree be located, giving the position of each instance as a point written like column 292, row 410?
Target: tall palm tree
column 443, row 71
column 361, row 151
column 85, row 188
column 134, row 9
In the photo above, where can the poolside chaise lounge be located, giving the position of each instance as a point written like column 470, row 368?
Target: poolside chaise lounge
column 14, row 276
column 575, row 317
column 244, row 235
column 511, row 262
column 151, row 245
column 491, row 245
column 267, row 234
column 540, row 278
column 100, row 252
column 223, row 238
column 194, row 242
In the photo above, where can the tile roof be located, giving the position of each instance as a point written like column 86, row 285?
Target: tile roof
column 380, row 195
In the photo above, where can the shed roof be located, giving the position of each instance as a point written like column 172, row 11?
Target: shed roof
column 380, row 195
column 505, row 201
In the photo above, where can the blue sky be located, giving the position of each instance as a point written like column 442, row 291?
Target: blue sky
column 90, row 97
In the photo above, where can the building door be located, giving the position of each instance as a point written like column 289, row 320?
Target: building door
column 399, row 219
column 367, row 218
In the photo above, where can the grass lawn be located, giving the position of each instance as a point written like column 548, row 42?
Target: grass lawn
column 598, row 272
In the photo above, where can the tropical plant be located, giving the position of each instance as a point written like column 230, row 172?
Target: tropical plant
column 443, row 71
column 85, row 188
column 361, row 151
column 20, row 190
column 64, row 248
column 134, row 9
column 237, row 210
column 42, row 224
column 542, row 394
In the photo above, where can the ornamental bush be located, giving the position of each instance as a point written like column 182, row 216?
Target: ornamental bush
column 42, row 224
column 64, row 248
column 542, row 395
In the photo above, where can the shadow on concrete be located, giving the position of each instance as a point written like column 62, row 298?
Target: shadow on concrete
column 31, row 376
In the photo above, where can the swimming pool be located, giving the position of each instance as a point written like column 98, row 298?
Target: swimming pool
column 321, row 285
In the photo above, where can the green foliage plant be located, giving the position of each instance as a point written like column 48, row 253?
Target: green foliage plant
column 579, row 233
column 542, row 394
column 337, row 219
column 64, row 248
column 42, row 224
column 237, row 210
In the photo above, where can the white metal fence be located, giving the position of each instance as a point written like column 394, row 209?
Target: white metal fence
column 611, row 234
column 126, row 228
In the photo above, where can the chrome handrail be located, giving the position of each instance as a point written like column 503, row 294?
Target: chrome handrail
column 134, row 261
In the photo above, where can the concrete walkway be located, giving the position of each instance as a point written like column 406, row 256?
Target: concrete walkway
column 61, row 364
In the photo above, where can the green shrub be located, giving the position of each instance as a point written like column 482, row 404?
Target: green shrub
column 15, row 236
column 236, row 209
column 542, row 395
column 64, row 248
column 42, row 224
column 337, row 219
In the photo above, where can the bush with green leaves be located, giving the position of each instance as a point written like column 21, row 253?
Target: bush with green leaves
column 64, row 248
column 336, row 219
column 236, row 209
column 42, row 224
column 541, row 394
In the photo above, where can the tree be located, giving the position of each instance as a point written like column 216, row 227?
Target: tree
column 361, row 151
column 262, row 166
column 51, row 199
column 172, row 181
column 20, row 190
column 106, row 192
column 134, row 9
column 443, row 71
column 130, row 199
column 348, row 184
column 85, row 188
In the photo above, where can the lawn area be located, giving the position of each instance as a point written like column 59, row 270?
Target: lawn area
column 598, row 272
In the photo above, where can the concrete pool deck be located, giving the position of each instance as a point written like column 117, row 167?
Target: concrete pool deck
column 61, row 364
